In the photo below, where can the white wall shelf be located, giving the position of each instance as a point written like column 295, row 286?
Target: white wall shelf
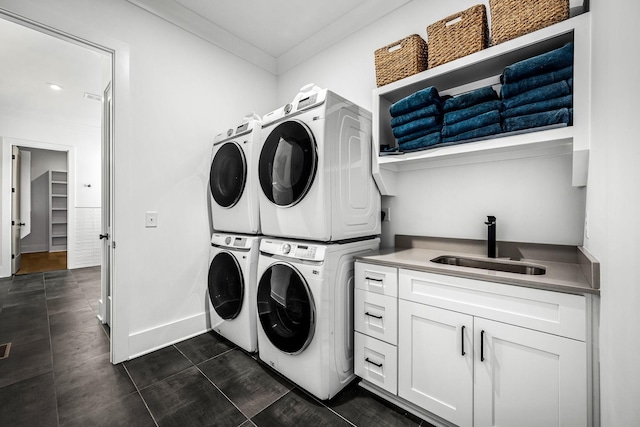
column 58, row 211
column 482, row 69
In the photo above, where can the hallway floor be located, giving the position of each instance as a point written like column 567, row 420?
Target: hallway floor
column 58, row 372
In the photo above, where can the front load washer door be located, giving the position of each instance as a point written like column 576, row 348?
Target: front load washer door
column 288, row 163
column 226, row 285
column 228, row 174
column 285, row 308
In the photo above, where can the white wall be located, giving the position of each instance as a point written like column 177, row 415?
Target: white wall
column 173, row 93
column 613, row 204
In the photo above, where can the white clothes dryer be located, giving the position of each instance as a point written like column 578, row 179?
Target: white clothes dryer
column 233, row 181
column 305, row 311
column 233, row 263
column 314, row 170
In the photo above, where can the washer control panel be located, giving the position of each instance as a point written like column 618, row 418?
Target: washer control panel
column 292, row 249
column 230, row 241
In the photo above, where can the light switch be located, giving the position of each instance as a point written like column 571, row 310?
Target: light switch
column 151, row 219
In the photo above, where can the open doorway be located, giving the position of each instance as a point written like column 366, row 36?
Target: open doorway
column 55, row 106
column 43, row 189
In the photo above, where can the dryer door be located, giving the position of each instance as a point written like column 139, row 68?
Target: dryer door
column 228, row 174
column 226, row 285
column 288, row 163
column 285, row 308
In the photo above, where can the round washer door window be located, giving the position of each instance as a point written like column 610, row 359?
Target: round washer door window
column 226, row 285
column 285, row 308
column 288, row 163
column 228, row 174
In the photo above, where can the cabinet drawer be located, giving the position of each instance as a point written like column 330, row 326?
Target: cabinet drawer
column 376, row 315
column 376, row 362
column 547, row 311
column 376, row 278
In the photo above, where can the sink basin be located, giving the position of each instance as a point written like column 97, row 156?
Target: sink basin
column 490, row 264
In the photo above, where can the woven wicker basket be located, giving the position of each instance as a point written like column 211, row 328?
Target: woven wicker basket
column 400, row 59
column 458, row 35
column 514, row 18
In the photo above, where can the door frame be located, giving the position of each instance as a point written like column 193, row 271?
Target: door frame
column 7, row 143
column 49, row 20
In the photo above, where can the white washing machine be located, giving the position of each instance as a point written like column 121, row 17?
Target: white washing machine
column 233, row 263
column 305, row 311
column 233, row 181
column 315, row 170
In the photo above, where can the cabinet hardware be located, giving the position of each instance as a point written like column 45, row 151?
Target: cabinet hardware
column 379, row 365
column 372, row 315
column 482, row 346
column 462, row 339
column 374, row 279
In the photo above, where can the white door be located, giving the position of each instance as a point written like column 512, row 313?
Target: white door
column 106, row 223
column 25, row 193
column 435, row 360
column 528, row 378
column 16, row 223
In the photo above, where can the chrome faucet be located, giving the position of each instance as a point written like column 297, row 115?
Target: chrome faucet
column 491, row 238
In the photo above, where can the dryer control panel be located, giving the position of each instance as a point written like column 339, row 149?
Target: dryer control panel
column 294, row 250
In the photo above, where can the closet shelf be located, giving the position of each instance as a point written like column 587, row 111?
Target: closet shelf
column 482, row 69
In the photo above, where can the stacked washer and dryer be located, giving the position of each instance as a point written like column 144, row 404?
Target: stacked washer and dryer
column 233, row 256
column 293, row 201
column 319, row 208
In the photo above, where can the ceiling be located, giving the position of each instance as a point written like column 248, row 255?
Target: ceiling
column 31, row 59
column 273, row 34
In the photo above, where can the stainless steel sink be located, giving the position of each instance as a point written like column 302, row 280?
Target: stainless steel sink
column 490, row 264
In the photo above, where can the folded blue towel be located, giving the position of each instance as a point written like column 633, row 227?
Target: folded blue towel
column 416, row 126
column 480, row 121
column 541, row 64
column 539, row 107
column 492, row 129
column 425, row 141
column 512, row 89
column 554, row 90
column 430, row 110
column 468, row 99
column 466, row 113
column 418, row 134
column 529, row 121
column 416, row 101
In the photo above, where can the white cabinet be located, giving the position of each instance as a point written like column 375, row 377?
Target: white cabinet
column 468, row 353
column 483, row 68
column 58, row 209
column 376, row 325
column 474, row 371
column 435, row 361
column 527, row 378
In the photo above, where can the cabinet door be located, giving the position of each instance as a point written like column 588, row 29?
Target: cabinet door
column 528, row 378
column 435, row 361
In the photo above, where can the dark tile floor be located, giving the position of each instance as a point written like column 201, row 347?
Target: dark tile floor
column 58, row 372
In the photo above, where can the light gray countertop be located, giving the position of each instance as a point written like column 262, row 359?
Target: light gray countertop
column 568, row 269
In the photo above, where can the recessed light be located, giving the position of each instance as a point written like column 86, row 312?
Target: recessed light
column 54, row 86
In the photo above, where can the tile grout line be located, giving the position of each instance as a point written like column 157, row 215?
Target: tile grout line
column 140, row 394
column 214, row 384
column 53, row 371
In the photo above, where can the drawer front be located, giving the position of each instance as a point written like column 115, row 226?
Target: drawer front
column 547, row 311
column 376, row 362
column 376, row 278
column 376, row 315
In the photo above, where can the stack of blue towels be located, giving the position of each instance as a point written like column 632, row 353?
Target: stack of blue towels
column 471, row 115
column 538, row 91
column 416, row 120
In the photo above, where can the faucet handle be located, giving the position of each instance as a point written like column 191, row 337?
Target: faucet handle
column 490, row 220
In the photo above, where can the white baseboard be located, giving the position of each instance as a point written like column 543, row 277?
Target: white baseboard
column 29, row 249
column 149, row 340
